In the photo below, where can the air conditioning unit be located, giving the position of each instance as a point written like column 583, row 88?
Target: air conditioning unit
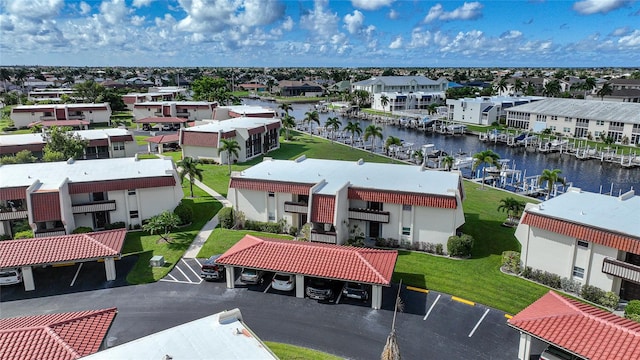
column 157, row 261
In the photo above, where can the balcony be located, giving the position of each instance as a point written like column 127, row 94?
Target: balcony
column 12, row 215
column 616, row 128
column 328, row 237
column 296, row 207
column 182, row 114
column 621, row 269
column 47, row 117
column 369, row 215
column 50, row 232
column 96, row 206
column 76, row 117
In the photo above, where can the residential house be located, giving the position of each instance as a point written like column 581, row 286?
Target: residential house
column 343, row 199
column 484, row 110
column 255, row 136
column 236, row 111
column 624, row 90
column 403, row 92
column 57, row 197
column 299, row 88
column 586, row 237
column 74, row 115
column 155, row 94
column 579, row 118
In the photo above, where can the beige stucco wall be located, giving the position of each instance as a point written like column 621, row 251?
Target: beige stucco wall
column 198, row 152
column 597, row 277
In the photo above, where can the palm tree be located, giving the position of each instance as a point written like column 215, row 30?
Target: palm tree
column 189, row 168
column 372, row 131
column 288, row 122
column 552, row 88
column 485, row 158
column 384, row 101
column 311, row 117
column 447, row 162
column 518, row 86
column 513, row 208
column 588, row 85
column 432, row 108
column 418, row 155
column 501, row 86
column 353, row 128
column 5, row 75
column 605, row 91
column 551, row 177
column 286, row 107
column 232, row 147
column 391, row 140
column 334, row 124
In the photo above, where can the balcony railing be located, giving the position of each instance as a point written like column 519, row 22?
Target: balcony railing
column 296, row 207
column 621, row 269
column 47, row 117
column 96, row 206
column 50, row 232
column 13, row 215
column 369, row 215
column 182, row 114
column 76, row 117
column 329, row 237
column 616, row 128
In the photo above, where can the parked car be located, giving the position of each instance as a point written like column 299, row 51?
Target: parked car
column 212, row 271
column 319, row 289
column 167, row 127
column 146, row 127
column 10, row 276
column 251, row 276
column 283, row 282
column 355, row 291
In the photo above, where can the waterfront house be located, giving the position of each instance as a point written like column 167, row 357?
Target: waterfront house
column 343, row 199
column 74, row 115
column 586, row 237
column 57, row 197
column 299, row 88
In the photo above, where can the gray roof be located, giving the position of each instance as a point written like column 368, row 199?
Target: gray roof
column 398, row 80
column 36, row 138
column 337, row 174
column 617, row 214
column 214, row 126
column 585, row 109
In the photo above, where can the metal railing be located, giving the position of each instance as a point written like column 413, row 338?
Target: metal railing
column 621, row 269
column 296, row 207
column 96, row 206
column 369, row 215
column 329, row 238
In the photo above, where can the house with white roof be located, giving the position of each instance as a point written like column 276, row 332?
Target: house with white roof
column 236, row 111
column 102, row 143
column 403, row 92
column 57, row 197
column 190, row 110
column 587, row 237
column 255, row 136
column 342, row 198
column 74, row 115
column 579, row 118
column 50, row 94
column 484, row 110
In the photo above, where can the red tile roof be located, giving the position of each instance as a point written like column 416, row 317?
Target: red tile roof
column 161, row 120
column 348, row 263
column 583, row 232
column 163, row 139
column 323, row 208
column 55, row 336
column 274, row 186
column 405, row 198
column 121, row 184
column 60, row 249
column 13, row 193
column 580, row 328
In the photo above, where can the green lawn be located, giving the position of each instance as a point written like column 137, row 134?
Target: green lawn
column 291, row 352
column 221, row 240
column 147, row 246
column 140, row 139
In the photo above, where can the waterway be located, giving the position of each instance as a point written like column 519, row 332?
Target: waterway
column 589, row 175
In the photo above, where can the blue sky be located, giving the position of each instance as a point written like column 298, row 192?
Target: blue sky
column 356, row 33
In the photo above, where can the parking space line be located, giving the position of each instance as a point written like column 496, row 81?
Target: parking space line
column 267, row 289
column 183, row 274
column 171, row 276
column 76, row 276
column 478, row 324
column 178, row 281
column 431, row 308
column 190, row 268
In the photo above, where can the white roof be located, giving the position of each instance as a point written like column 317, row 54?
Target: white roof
column 219, row 336
column 53, row 174
column 214, row 126
column 177, row 103
column 618, row 214
column 61, row 106
column 23, row 139
column 336, row 173
column 248, row 109
column 586, row 109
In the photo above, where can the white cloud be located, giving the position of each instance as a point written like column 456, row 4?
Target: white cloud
column 114, row 12
column 468, row 11
column 371, row 4
column 137, row 20
column 511, row 34
column 354, row 22
column 621, row 31
column 322, row 24
column 393, row 15
column 396, row 44
column 84, row 8
column 631, row 40
column 34, row 9
column 588, row 7
column 141, row 3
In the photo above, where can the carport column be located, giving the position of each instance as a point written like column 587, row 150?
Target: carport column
column 110, row 268
column 27, row 278
column 376, row 297
column 230, row 276
column 300, row 286
column 524, row 352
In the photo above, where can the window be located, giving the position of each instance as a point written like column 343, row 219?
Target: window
column 133, row 214
column 272, row 216
column 406, row 231
column 566, row 130
column 406, row 207
column 578, row 272
column 583, row 244
column 131, row 192
column 118, row 146
column 272, row 194
column 600, row 122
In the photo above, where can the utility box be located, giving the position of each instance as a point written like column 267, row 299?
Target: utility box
column 157, row 261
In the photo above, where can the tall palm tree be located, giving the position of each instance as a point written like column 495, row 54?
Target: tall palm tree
column 419, row 156
column 334, row 124
column 189, row 168
column 286, row 107
column 432, row 108
column 551, row 177
column 232, row 147
column 501, row 86
column 384, row 101
column 288, row 122
column 391, row 140
column 552, row 88
column 605, row 91
column 518, row 86
column 311, row 117
column 485, row 158
column 354, row 128
column 589, row 84
column 448, row 161
column 512, row 206
column 372, row 131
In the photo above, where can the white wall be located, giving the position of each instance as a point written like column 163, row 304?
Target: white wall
column 597, row 277
column 153, row 201
column 252, row 203
column 197, row 152
column 555, row 256
column 433, row 225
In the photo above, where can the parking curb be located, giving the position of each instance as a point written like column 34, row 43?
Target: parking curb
column 464, row 301
column 508, row 316
column 417, row 289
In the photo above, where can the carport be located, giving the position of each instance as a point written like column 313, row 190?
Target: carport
column 161, row 141
column 161, row 120
column 334, row 262
column 45, row 251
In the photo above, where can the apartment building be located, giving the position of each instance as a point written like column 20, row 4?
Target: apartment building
column 190, row 110
column 484, row 110
column 403, row 92
column 75, row 115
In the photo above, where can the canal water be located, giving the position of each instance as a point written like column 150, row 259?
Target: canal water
column 589, row 175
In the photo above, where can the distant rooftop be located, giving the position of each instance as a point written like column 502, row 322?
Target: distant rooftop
column 398, row 80
column 36, row 138
column 248, row 109
column 588, row 109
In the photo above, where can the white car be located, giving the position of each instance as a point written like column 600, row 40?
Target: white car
column 283, row 282
column 10, row 276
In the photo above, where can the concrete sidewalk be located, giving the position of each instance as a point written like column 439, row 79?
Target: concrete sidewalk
column 208, row 228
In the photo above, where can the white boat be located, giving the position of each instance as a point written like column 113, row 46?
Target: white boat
column 531, row 139
column 457, row 129
column 462, row 162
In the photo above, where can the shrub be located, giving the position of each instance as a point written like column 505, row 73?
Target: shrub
column 82, row 230
column 184, row 212
column 293, row 231
column 592, row 293
column 26, row 234
column 634, row 317
column 115, row 225
column 511, row 261
column 225, row 216
column 5, row 237
column 543, row 277
column 439, row 249
column 610, row 300
column 460, row 245
column 357, row 242
column 632, row 309
column 381, row 242
column 570, row 285
column 415, row 246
